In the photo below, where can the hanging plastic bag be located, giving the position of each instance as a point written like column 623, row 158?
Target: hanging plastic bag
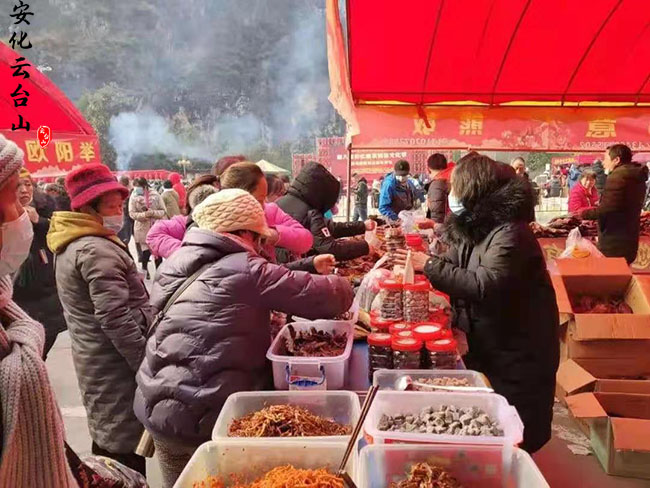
column 369, row 287
column 409, row 219
column 372, row 239
column 577, row 247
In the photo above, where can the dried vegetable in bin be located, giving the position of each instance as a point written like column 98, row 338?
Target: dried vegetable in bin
column 285, row 421
column 425, row 475
column 391, row 300
column 314, row 343
column 613, row 305
column 280, row 477
column 440, row 381
column 444, row 420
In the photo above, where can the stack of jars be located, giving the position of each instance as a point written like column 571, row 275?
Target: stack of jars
column 390, row 292
column 416, row 302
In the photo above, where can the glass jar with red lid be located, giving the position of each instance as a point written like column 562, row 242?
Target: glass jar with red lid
column 407, row 353
column 405, row 334
column 442, row 354
column 380, row 353
column 399, row 327
column 390, row 292
column 415, row 242
column 377, row 324
column 416, row 301
column 431, row 331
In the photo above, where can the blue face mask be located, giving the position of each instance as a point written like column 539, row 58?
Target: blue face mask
column 455, row 205
column 139, row 190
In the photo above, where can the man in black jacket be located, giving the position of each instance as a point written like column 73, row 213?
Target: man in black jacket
column 315, row 191
column 620, row 206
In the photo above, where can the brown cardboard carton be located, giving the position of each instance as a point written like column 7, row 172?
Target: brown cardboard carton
column 578, row 376
column 623, row 338
column 619, row 430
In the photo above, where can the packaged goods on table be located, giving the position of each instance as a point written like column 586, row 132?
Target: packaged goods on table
column 445, row 420
column 395, row 240
column 442, row 354
column 285, row 421
column 416, row 301
column 391, row 300
column 425, row 475
column 380, row 353
column 280, row 477
column 407, row 353
column 613, row 305
column 314, row 343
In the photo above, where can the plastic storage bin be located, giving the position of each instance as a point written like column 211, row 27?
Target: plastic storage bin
column 387, row 379
column 473, row 466
column 253, row 458
column 403, row 402
column 341, row 406
column 335, row 368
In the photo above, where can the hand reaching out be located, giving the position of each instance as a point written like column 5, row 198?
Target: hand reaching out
column 418, row 259
column 325, row 263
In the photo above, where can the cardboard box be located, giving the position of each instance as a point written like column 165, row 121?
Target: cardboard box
column 623, row 338
column 619, row 430
column 579, row 376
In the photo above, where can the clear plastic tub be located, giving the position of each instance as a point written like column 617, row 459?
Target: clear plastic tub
column 336, row 368
column 473, row 466
column 253, row 458
column 341, row 406
column 406, row 402
column 387, row 379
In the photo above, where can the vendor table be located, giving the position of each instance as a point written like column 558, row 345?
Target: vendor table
column 558, row 464
column 553, row 247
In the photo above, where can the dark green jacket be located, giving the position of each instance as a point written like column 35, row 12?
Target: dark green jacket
column 619, row 211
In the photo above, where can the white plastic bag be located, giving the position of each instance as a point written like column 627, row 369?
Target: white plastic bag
column 409, row 218
column 369, row 287
column 579, row 247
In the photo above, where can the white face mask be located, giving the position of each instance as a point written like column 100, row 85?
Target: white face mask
column 16, row 240
column 401, row 178
column 114, row 222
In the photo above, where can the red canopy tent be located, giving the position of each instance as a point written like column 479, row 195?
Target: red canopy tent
column 496, row 75
column 73, row 142
column 526, row 75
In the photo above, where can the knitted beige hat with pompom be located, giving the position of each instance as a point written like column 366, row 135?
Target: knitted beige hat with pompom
column 231, row 210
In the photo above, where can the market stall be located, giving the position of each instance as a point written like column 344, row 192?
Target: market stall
column 73, row 141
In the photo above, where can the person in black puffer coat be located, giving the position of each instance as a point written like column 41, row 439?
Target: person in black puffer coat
column 35, row 286
column 601, row 176
column 501, row 292
column 619, row 211
column 315, row 191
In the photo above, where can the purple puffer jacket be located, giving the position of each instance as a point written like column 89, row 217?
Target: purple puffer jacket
column 213, row 340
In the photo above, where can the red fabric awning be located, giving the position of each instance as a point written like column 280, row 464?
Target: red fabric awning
column 498, row 51
column 73, row 142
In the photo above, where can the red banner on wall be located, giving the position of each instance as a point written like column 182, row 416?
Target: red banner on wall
column 64, row 152
column 502, row 128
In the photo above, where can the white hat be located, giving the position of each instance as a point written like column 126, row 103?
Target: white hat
column 231, row 210
column 11, row 159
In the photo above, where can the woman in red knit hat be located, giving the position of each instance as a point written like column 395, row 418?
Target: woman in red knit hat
column 106, row 307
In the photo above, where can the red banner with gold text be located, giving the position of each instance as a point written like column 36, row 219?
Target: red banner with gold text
column 502, row 128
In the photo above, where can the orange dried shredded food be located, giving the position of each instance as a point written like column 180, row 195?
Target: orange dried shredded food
column 282, row 477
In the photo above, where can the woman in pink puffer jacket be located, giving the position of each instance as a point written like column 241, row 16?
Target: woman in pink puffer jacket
column 166, row 236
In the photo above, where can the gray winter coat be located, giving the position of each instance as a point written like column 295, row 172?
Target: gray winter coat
column 214, row 338
column 106, row 307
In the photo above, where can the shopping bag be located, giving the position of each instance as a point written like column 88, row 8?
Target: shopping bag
column 579, row 247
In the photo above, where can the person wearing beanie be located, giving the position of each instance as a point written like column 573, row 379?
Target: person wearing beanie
column 315, row 191
column 212, row 341
column 34, row 284
column 398, row 192
column 106, row 307
column 145, row 208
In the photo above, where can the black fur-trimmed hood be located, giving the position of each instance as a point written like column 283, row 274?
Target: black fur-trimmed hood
column 510, row 203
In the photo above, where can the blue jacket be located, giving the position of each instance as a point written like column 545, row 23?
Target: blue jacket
column 393, row 198
column 574, row 176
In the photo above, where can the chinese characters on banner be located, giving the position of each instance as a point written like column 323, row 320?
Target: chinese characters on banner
column 19, row 39
column 62, row 155
column 564, row 129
